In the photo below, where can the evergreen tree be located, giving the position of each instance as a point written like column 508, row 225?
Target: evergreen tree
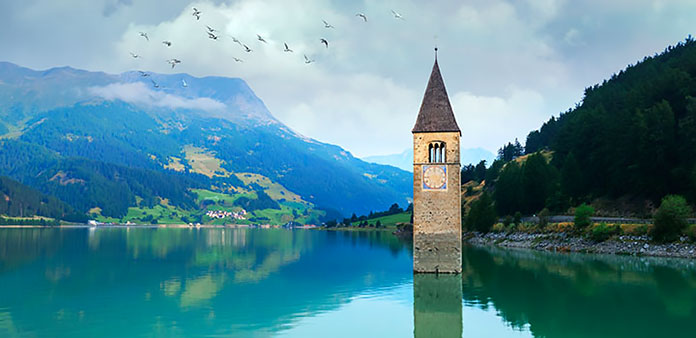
column 571, row 178
column 537, row 183
column 493, row 172
column 480, row 171
column 482, row 215
column 468, row 173
column 508, row 189
column 510, row 151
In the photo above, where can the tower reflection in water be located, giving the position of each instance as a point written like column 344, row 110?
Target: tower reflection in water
column 437, row 305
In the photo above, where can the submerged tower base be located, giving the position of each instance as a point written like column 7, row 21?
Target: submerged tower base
column 437, row 253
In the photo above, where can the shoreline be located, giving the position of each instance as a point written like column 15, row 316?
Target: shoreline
column 626, row 245
column 148, row 226
column 560, row 242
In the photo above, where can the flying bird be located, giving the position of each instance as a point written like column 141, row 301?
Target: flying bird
column 260, row 38
column 183, row 83
column 211, row 29
column 143, row 34
column 196, row 13
column 246, row 48
column 324, row 42
column 287, row 49
column 307, row 60
column 237, row 59
column 212, row 36
column 327, row 25
column 363, row 16
column 154, row 84
column 133, row 55
column 397, row 15
column 143, row 74
column 167, row 43
column 173, row 62
column 236, row 40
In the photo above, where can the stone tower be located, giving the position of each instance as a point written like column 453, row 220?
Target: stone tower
column 437, row 230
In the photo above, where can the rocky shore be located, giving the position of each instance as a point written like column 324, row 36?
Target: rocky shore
column 564, row 242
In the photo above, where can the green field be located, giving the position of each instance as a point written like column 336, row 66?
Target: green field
column 297, row 211
column 389, row 221
column 162, row 213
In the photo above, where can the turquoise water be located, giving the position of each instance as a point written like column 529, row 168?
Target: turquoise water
column 118, row 282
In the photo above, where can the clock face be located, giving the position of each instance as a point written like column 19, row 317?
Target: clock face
column 434, row 177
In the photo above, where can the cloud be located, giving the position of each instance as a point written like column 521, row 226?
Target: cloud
column 111, row 6
column 350, row 112
column 138, row 93
column 485, row 120
column 523, row 60
column 573, row 37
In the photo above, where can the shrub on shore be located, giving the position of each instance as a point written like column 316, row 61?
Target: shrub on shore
column 670, row 219
column 691, row 232
column 635, row 229
column 499, row 227
column 603, row 231
column 507, row 221
column 582, row 216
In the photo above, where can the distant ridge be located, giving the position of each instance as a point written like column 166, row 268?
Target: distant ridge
column 404, row 160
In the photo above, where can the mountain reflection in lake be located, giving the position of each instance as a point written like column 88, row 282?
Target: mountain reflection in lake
column 249, row 282
column 577, row 295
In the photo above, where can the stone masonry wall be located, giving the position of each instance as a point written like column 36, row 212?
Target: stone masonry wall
column 437, row 214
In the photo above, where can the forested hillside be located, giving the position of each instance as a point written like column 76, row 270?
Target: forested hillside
column 632, row 138
column 119, row 149
column 18, row 200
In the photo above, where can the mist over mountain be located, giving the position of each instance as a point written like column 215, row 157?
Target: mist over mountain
column 111, row 142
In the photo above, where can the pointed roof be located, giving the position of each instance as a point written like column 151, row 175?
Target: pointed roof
column 435, row 113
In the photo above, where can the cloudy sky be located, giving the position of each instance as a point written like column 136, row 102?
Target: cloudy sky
column 508, row 65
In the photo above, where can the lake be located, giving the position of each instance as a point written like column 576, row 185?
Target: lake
column 133, row 282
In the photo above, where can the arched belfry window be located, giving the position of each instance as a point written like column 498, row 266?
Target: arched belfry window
column 437, row 152
column 431, row 153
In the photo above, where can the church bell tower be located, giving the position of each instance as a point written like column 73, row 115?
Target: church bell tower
column 437, row 229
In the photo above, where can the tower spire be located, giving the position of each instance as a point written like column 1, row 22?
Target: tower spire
column 435, row 113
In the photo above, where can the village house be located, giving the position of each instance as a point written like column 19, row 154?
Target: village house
column 218, row 214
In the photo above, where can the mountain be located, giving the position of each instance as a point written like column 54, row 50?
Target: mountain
column 629, row 143
column 404, row 160
column 110, row 144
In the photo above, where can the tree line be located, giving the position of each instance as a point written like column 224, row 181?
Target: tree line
column 632, row 136
column 364, row 220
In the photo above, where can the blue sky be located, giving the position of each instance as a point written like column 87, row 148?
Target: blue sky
column 508, row 65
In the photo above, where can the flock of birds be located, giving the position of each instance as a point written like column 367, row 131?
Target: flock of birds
column 214, row 34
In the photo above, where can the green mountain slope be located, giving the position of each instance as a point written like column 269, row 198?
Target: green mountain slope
column 113, row 142
column 632, row 136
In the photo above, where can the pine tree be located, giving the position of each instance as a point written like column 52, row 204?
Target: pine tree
column 571, row 178
column 482, row 215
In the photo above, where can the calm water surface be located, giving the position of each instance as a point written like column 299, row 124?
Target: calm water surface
column 257, row 283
